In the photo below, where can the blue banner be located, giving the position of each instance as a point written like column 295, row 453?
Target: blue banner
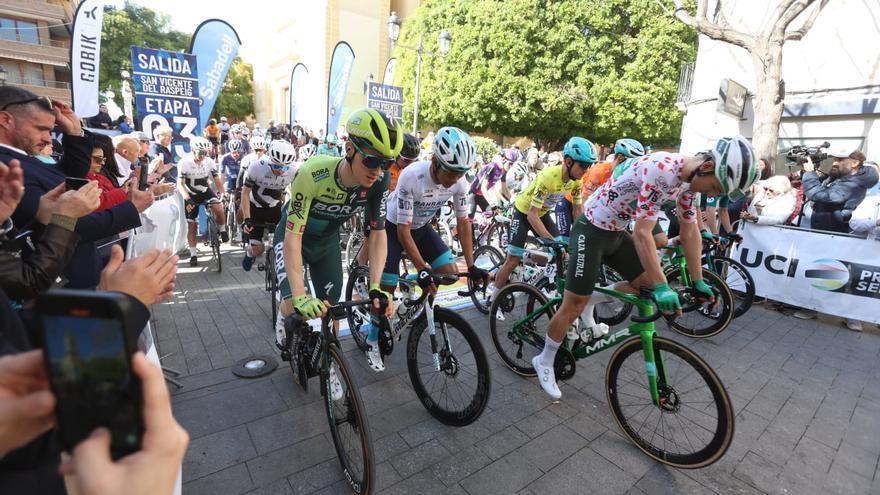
column 297, row 90
column 166, row 93
column 340, row 73
column 215, row 44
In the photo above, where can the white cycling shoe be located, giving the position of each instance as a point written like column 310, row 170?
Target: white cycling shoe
column 336, row 391
column 597, row 331
column 374, row 358
column 279, row 330
column 547, row 378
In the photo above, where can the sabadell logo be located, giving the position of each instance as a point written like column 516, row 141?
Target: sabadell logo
column 827, row 274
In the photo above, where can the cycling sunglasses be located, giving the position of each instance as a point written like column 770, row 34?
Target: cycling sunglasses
column 373, row 161
column 43, row 101
column 276, row 166
column 583, row 165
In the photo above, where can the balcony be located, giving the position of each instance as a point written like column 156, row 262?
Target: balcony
column 38, row 9
column 54, row 89
column 49, row 52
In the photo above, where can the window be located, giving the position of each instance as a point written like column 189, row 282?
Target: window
column 18, row 30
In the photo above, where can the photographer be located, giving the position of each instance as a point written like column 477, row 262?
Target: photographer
column 836, row 195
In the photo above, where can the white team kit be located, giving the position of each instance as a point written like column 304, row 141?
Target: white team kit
column 197, row 176
column 267, row 189
column 417, row 197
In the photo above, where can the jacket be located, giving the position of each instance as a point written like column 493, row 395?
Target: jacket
column 834, row 200
column 110, row 194
column 25, row 278
column 83, row 270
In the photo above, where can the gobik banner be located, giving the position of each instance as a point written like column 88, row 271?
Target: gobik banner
column 833, row 274
column 166, row 87
column 85, row 56
column 215, row 43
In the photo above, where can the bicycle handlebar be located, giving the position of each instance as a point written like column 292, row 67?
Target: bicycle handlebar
column 439, row 279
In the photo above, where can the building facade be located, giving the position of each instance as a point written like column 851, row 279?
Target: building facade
column 35, row 45
column 832, row 81
column 309, row 37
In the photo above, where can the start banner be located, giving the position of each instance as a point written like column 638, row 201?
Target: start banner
column 833, row 274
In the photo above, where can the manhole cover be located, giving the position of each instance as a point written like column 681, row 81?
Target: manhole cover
column 254, row 366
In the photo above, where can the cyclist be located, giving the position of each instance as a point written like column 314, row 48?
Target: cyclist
column 224, row 130
column 212, row 132
column 487, row 177
column 305, row 152
column 326, row 192
column 264, row 185
column 329, row 146
column 230, row 164
column 625, row 150
column 235, row 133
column 422, row 189
column 258, row 131
column 599, row 235
column 195, row 172
column 532, row 206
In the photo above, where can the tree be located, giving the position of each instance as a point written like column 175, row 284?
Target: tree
column 236, row 100
column 132, row 24
column 765, row 48
column 526, row 67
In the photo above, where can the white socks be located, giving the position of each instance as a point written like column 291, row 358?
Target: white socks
column 249, row 251
column 549, row 353
column 193, row 251
column 596, row 298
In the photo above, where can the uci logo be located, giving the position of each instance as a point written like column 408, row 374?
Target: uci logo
column 827, row 274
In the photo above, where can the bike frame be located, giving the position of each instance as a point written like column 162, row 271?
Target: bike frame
column 426, row 312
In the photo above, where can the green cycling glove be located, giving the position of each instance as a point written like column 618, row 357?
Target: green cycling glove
column 707, row 235
column 666, row 298
column 703, row 289
column 308, row 306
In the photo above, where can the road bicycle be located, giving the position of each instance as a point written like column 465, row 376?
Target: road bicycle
column 319, row 353
column 663, row 396
column 230, row 206
column 492, row 228
column 737, row 277
column 269, row 265
column 213, row 240
column 447, row 364
column 536, row 268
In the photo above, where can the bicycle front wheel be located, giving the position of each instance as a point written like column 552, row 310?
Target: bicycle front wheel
column 348, row 423
column 739, row 280
column 357, row 289
column 705, row 319
column 497, row 235
column 458, row 392
column 488, row 258
column 214, row 236
column 692, row 427
column 353, row 246
column 516, row 337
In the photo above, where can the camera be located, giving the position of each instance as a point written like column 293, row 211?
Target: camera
column 798, row 154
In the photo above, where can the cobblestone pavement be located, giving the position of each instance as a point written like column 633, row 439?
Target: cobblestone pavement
column 806, row 396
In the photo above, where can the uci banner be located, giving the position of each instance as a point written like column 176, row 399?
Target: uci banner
column 340, row 73
column 297, row 92
column 85, row 57
column 833, row 274
column 215, row 44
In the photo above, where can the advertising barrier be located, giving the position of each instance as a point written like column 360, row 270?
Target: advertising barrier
column 85, row 56
column 833, row 274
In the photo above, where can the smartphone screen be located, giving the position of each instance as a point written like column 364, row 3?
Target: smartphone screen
column 74, row 183
column 90, row 371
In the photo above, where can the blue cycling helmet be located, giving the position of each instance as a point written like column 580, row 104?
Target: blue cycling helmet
column 580, row 150
column 454, row 150
column 331, row 139
column 629, row 148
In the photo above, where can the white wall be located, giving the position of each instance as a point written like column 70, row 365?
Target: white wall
column 841, row 51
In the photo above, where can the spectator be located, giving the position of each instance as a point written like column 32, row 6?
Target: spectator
column 834, row 196
column 111, row 195
column 143, row 140
column 772, row 203
column 124, row 124
column 102, row 120
column 110, row 168
column 161, row 147
column 865, row 219
column 126, row 155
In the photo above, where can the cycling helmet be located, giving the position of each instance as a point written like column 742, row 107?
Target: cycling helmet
column 258, row 143
column 281, row 152
column 235, row 128
column 222, row 119
column 630, row 148
column 256, row 126
column 212, row 122
column 199, row 143
column 454, row 149
column 580, row 149
column 734, row 165
column 306, row 151
column 367, row 128
column 411, row 147
column 331, row 139
column 245, row 131
column 234, row 145
column 509, row 154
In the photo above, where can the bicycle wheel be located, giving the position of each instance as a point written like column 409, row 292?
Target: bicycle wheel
column 614, row 311
column 231, row 225
column 272, row 281
column 353, row 246
column 488, row 258
column 693, row 425
column 214, row 236
column 705, row 319
column 357, row 288
column 458, row 392
column 497, row 235
column 348, row 424
column 512, row 305
column 739, row 280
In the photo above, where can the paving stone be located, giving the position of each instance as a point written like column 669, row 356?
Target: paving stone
column 759, row 472
column 538, row 423
column 584, row 469
column 623, row 454
column 319, row 476
column 551, row 448
column 291, row 459
column 663, row 480
column 231, row 481
column 219, row 411
column 288, row 427
column 506, row 475
column 213, row 453
column 423, row 483
column 277, row 487
column 843, row 481
column 420, row 457
column 459, row 465
column 503, row 442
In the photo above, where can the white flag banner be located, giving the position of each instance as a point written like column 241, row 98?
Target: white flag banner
column 833, row 274
column 390, row 66
column 85, row 56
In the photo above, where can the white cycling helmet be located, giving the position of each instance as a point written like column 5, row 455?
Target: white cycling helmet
column 234, row 145
column 199, row 143
column 454, row 149
column 235, row 128
column 734, row 165
column 281, row 152
column 257, row 142
column 306, row 151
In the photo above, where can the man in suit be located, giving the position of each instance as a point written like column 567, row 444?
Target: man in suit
column 25, row 122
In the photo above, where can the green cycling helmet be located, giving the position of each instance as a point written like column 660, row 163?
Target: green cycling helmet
column 368, row 128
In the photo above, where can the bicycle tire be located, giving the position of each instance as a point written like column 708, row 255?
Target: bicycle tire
column 214, row 236
column 488, row 258
column 357, row 288
column 615, row 311
column 353, row 246
column 358, row 473
column 272, row 281
column 743, row 288
column 717, row 315
column 674, row 402
column 498, row 235
column 508, row 345
column 456, row 366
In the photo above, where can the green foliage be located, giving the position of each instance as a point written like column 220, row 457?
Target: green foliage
column 236, row 100
column 122, row 28
column 486, row 148
column 523, row 67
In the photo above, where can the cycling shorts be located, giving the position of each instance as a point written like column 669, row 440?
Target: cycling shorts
column 323, row 258
column 431, row 248
column 519, row 231
column 229, row 184
column 590, row 247
column 564, row 217
column 207, row 198
column 261, row 217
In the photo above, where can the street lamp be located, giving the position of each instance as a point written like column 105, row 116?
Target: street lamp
column 444, row 40
column 2, row 76
column 126, row 92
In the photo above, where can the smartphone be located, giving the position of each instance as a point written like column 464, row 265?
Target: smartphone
column 142, row 177
column 87, row 347
column 74, row 183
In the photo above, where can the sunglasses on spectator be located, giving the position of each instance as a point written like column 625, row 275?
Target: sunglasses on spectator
column 99, row 159
column 373, row 161
column 43, row 101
